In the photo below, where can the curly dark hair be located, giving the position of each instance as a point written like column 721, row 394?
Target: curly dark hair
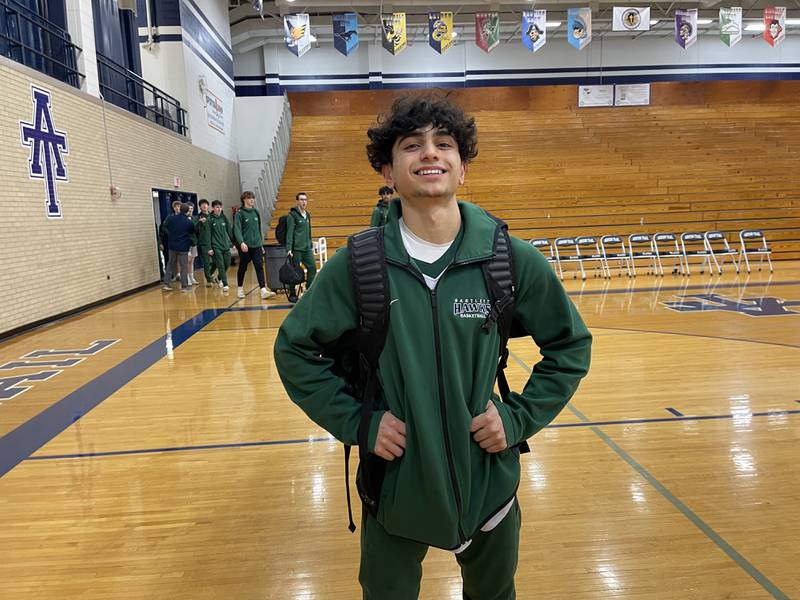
column 408, row 114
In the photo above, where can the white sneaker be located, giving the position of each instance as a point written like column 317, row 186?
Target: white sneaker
column 240, row 292
column 194, row 281
column 166, row 288
column 222, row 284
column 225, row 288
column 266, row 293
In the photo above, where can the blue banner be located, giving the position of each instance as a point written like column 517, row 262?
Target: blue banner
column 534, row 30
column 345, row 32
column 579, row 27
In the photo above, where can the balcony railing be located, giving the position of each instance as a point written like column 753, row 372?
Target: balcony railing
column 32, row 40
column 128, row 90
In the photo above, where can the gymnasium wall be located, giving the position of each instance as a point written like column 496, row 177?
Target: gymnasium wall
column 272, row 69
column 99, row 247
column 550, row 97
column 191, row 59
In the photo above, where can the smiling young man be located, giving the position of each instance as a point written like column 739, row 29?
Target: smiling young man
column 452, row 468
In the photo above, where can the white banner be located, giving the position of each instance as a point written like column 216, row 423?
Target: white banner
column 627, row 18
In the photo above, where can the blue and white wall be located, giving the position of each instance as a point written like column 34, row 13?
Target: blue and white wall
column 187, row 53
column 272, row 70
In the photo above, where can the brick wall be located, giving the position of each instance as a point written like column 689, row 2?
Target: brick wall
column 101, row 247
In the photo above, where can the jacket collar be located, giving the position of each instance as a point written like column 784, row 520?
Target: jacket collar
column 477, row 242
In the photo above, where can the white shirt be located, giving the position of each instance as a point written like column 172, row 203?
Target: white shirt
column 427, row 252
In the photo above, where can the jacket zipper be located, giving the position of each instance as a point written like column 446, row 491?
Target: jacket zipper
column 442, row 408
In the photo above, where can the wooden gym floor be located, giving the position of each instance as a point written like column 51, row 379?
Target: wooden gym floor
column 151, row 452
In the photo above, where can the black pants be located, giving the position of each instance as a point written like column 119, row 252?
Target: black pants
column 257, row 256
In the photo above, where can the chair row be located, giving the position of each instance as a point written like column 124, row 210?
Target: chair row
column 655, row 249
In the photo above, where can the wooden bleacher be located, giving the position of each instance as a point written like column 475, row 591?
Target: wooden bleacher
column 590, row 171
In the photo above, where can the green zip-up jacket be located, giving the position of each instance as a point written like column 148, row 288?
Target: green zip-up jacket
column 247, row 228
column 202, row 231
column 298, row 231
column 437, row 370
column 219, row 232
column 379, row 214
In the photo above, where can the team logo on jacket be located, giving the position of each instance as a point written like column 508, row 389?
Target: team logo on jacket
column 47, row 146
column 471, row 308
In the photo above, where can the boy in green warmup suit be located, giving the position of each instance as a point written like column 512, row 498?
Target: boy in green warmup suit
column 298, row 241
column 220, row 238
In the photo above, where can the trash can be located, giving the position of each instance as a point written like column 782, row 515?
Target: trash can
column 274, row 257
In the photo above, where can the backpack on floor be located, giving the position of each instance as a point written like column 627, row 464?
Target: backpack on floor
column 356, row 353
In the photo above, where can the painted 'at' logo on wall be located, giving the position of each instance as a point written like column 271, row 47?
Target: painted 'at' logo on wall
column 47, row 149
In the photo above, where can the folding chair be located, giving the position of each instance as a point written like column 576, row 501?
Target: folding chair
column 561, row 248
column 754, row 235
column 320, row 250
column 689, row 248
column 648, row 253
column 589, row 251
column 666, row 246
column 613, row 248
column 717, row 245
column 543, row 245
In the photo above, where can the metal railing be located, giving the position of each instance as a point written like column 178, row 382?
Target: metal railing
column 128, row 90
column 32, row 40
column 269, row 179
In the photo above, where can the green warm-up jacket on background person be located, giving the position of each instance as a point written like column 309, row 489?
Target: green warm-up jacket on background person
column 202, row 230
column 219, row 232
column 298, row 231
column 437, row 371
column 247, row 228
column 379, row 214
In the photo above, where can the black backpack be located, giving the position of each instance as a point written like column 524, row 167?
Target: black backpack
column 280, row 230
column 356, row 354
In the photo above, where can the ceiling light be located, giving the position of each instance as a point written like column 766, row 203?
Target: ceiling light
column 455, row 34
column 552, row 24
column 755, row 27
column 793, row 21
column 311, row 36
column 653, row 22
column 704, row 21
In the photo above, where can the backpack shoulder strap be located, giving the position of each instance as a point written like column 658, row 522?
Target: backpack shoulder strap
column 371, row 286
column 498, row 273
column 367, row 260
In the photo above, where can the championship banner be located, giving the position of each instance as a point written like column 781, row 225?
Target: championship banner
column 627, row 18
column 686, row 27
column 487, row 31
column 440, row 31
column 534, row 30
column 774, row 24
column 394, row 32
column 297, row 33
column 345, row 32
column 730, row 25
column 579, row 27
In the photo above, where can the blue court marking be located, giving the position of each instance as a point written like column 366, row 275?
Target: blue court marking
column 710, row 286
column 740, row 560
column 20, row 443
column 182, row 448
column 700, row 335
column 587, row 423
column 265, row 307
column 677, row 413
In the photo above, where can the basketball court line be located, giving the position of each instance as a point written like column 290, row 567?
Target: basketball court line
column 718, row 540
column 700, row 335
column 582, row 424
